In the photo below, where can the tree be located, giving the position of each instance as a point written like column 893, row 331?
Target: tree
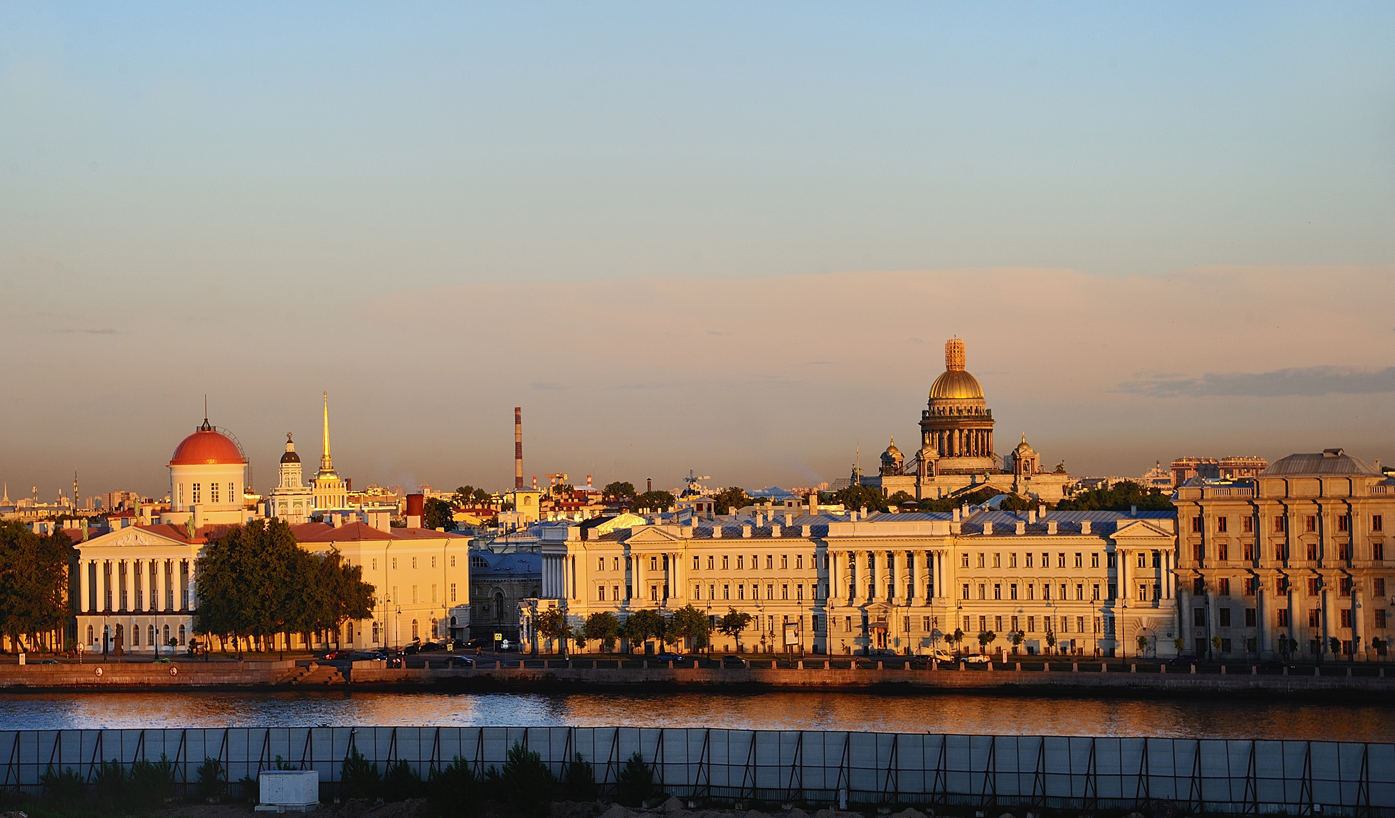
column 1216, row 644
column 1122, row 496
column 859, row 497
column 1179, row 643
column 730, row 500
column 733, row 623
column 553, row 624
column 899, row 499
column 463, row 495
column 33, row 582
column 602, row 627
column 944, row 505
column 957, row 637
column 1335, row 644
column 689, row 623
column 1142, row 643
column 641, row 626
column 1051, row 640
column 655, row 500
column 618, row 491
column 1017, row 638
column 985, row 639
column 438, row 514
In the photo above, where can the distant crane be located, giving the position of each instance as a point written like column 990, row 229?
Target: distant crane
column 694, row 482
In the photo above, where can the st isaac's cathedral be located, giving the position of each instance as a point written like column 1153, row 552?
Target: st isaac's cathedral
column 956, row 446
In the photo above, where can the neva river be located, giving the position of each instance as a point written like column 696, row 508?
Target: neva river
column 1016, row 715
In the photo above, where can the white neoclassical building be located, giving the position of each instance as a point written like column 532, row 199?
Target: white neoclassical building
column 1088, row 583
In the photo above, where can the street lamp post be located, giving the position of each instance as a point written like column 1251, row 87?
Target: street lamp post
column 397, row 630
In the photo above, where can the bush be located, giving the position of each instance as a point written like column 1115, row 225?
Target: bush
column 66, row 787
column 454, row 790
column 401, row 782
column 212, row 780
column 636, row 782
column 580, row 781
column 527, row 782
column 358, row 778
column 109, row 783
column 152, row 783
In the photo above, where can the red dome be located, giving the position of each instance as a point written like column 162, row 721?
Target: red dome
column 206, row 447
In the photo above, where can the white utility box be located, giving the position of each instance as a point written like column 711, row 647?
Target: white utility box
column 288, row 791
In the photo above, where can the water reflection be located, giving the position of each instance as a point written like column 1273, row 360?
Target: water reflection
column 1224, row 718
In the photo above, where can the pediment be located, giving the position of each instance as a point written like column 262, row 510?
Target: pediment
column 131, row 537
column 1139, row 530
column 652, row 536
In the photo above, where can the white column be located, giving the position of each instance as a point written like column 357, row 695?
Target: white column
column 1123, row 557
column 103, row 585
column 637, row 575
column 832, row 575
column 84, row 585
column 160, row 585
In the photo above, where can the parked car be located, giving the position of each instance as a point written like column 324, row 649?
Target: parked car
column 55, row 661
column 479, row 642
column 1181, row 661
column 733, row 661
column 432, row 646
column 411, row 648
column 668, row 656
column 460, row 661
column 368, row 655
column 975, row 659
column 336, row 655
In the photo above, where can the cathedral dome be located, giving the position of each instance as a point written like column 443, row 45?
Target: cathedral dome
column 955, row 383
column 206, row 446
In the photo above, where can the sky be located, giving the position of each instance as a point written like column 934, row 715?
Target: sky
column 731, row 238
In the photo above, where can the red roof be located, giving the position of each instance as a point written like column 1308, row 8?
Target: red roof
column 205, row 447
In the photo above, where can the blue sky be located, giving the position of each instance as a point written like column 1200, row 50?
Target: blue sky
column 212, row 198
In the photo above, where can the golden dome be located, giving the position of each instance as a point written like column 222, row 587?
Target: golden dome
column 956, row 384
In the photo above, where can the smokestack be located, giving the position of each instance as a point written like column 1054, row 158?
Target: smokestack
column 518, row 447
column 648, row 484
column 416, row 507
column 588, row 477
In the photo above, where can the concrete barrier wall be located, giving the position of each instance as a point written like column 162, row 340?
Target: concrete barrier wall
column 1232, row 776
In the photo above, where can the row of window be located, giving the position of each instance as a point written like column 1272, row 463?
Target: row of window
column 1224, row 617
column 150, row 635
column 374, row 563
column 1250, row 586
column 1029, row 559
column 1282, row 552
column 1145, row 591
column 1310, row 524
column 197, row 493
column 416, row 595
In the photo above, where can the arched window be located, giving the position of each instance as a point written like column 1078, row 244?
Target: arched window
column 135, row 636
column 498, row 605
column 435, row 625
column 415, row 635
column 375, row 633
column 91, row 638
column 349, row 633
column 181, row 636
column 150, row 631
column 166, row 640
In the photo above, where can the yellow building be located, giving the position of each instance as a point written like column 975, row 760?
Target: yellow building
column 1094, row 581
column 1292, row 558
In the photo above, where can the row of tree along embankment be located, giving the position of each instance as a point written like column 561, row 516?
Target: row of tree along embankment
column 508, row 675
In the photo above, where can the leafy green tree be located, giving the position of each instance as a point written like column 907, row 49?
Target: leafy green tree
column 654, row 500
column 463, row 496
column 454, row 790
column 553, row 625
column 1051, row 640
column 1179, row 643
column 602, row 627
column 641, row 626
column 899, row 499
column 33, row 582
column 1142, row 643
column 1122, row 496
column 946, row 504
column 618, row 491
column 985, row 639
column 857, row 497
column 730, row 499
column 733, row 623
column 689, row 623
column 1012, row 502
column 437, row 513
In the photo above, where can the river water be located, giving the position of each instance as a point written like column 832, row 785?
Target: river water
column 940, row 713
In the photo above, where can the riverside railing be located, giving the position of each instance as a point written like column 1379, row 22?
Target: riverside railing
column 811, row 767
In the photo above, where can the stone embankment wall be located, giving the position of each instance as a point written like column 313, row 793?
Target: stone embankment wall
column 375, row 674
column 508, row 675
column 124, row 675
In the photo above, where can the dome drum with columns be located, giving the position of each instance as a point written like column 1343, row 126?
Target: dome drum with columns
column 956, row 451
column 207, row 480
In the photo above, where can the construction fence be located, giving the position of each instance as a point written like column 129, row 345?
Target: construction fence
column 777, row 767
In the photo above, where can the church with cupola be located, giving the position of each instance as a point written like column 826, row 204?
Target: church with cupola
column 957, row 447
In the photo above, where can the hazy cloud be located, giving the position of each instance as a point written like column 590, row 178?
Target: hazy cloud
column 1301, row 381
column 106, row 331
